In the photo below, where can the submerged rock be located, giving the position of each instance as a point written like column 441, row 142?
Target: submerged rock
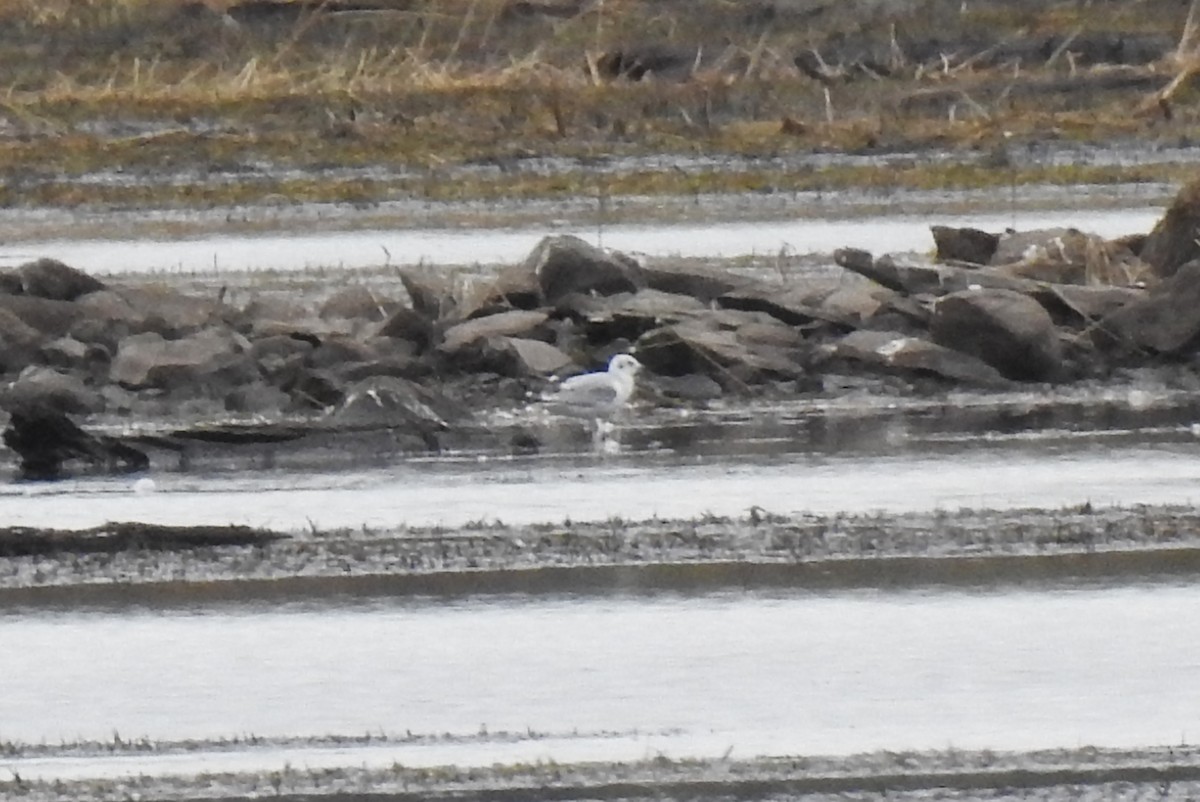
column 46, row 441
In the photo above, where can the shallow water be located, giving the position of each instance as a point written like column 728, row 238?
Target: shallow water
column 749, row 673
column 452, row 492
column 372, row 248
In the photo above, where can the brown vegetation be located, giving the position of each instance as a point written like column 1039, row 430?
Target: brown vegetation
column 169, row 101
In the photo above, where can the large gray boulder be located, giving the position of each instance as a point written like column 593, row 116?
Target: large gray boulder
column 1009, row 331
column 46, row 390
column 901, row 353
column 149, row 360
column 50, row 278
column 1166, row 320
column 516, row 323
column 566, row 264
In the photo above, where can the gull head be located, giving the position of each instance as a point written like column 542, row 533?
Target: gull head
column 624, row 365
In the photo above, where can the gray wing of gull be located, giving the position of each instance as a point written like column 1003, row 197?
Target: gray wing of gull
column 590, row 393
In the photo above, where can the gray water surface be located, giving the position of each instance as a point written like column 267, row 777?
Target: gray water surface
column 370, row 248
column 452, row 492
column 746, row 673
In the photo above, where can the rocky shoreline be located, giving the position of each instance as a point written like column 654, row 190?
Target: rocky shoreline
column 422, row 360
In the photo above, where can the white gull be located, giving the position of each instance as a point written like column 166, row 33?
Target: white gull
column 596, row 395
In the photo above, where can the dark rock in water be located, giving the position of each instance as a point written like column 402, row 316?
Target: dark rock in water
column 45, row 441
column 1172, row 242
column 50, row 278
column 1165, row 321
column 964, row 244
column 1009, row 331
column 900, row 352
column 566, row 264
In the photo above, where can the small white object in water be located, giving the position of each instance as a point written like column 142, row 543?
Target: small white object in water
column 596, row 395
column 144, row 485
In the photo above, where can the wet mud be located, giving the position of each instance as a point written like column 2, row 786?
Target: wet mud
column 1166, row 772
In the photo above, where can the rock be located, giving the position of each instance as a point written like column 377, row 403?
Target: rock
column 626, row 316
column 1166, row 320
column 885, row 271
column 1009, row 331
column 1073, row 257
column 10, row 282
column 409, row 325
column 431, row 296
column 45, row 390
column 356, row 302
column 71, row 354
column 702, row 347
column 566, row 264
column 705, row 285
column 537, row 358
column 19, row 342
column 148, row 360
column 49, row 317
column 50, row 278
column 46, row 440
column 514, row 287
column 964, row 245
column 518, row 322
column 397, row 404
column 275, row 352
column 1081, row 305
column 926, row 279
column 896, row 351
column 789, row 306
column 154, row 307
column 1016, row 246
column 257, row 398
column 693, row 387
column 1172, row 242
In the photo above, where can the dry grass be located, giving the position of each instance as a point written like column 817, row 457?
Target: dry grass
column 136, row 85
